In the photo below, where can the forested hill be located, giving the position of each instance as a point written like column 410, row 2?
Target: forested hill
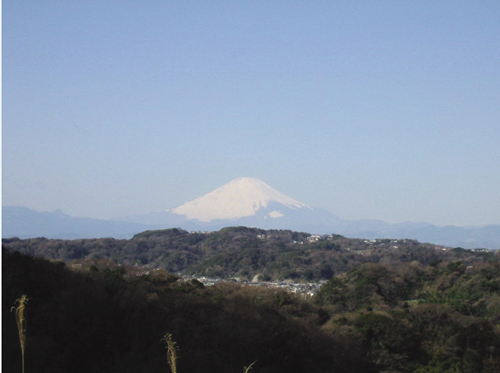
column 245, row 252
column 374, row 318
column 110, row 320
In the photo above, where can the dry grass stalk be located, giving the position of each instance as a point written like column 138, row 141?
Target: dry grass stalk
column 21, row 322
column 247, row 369
column 171, row 352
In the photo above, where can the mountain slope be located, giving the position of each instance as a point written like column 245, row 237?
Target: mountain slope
column 23, row 222
column 239, row 198
column 248, row 202
column 242, row 202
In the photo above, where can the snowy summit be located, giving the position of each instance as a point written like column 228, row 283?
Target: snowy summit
column 239, row 198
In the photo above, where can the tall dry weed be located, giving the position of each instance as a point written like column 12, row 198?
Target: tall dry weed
column 21, row 322
column 248, row 368
column 171, row 352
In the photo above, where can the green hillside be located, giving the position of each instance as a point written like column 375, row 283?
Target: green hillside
column 245, row 252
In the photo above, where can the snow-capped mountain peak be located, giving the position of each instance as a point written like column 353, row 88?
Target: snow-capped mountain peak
column 239, row 198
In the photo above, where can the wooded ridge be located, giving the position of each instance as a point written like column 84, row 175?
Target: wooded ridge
column 245, row 252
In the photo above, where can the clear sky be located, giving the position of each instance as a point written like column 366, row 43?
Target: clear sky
column 370, row 109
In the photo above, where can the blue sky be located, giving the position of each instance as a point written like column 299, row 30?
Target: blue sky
column 371, row 109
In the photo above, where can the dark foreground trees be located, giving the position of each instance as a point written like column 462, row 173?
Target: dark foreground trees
column 104, row 320
column 397, row 317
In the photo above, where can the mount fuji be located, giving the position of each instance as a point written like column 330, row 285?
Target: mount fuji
column 243, row 201
column 238, row 199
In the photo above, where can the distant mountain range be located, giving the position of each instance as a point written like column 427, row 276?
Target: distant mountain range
column 23, row 222
column 242, row 202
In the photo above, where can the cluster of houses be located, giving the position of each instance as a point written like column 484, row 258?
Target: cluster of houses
column 306, row 289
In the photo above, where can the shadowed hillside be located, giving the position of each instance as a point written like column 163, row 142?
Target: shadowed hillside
column 95, row 316
column 108, row 320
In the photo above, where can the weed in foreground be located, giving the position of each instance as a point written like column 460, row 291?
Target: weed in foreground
column 21, row 322
column 171, row 352
column 248, row 368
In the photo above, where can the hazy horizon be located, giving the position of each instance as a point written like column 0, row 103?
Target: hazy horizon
column 382, row 110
